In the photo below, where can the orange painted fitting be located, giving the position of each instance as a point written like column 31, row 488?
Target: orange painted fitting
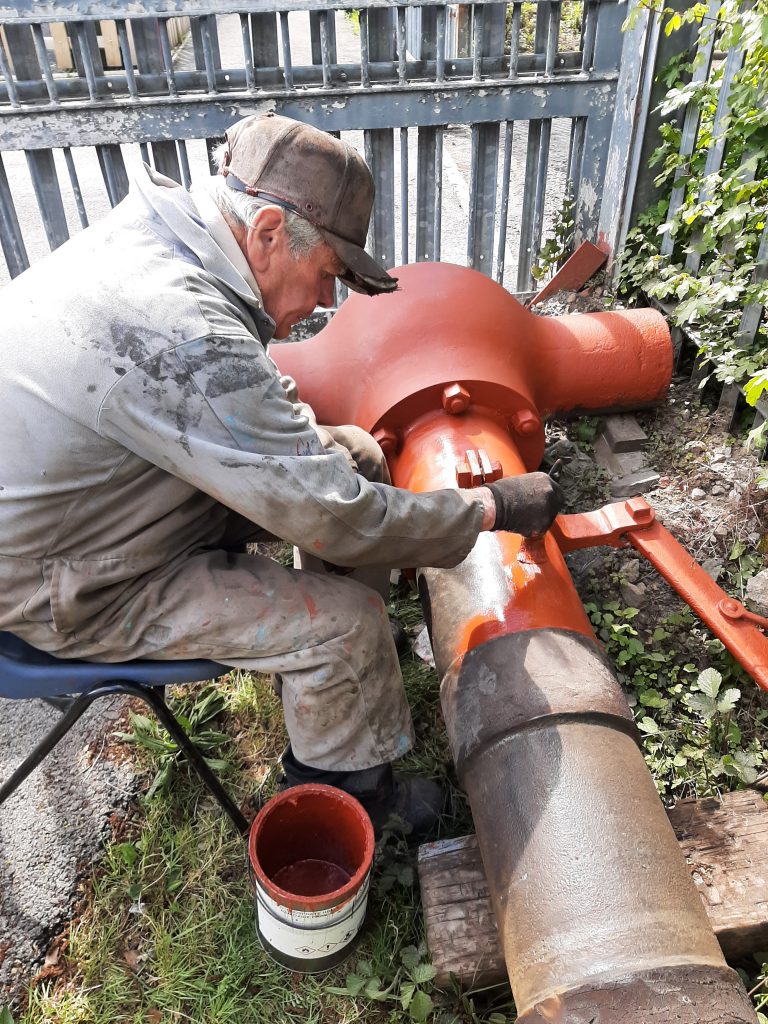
column 525, row 422
column 449, row 325
column 456, row 399
column 388, row 441
column 504, row 589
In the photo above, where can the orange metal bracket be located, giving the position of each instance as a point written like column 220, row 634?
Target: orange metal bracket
column 634, row 522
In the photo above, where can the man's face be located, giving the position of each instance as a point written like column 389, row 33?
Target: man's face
column 290, row 288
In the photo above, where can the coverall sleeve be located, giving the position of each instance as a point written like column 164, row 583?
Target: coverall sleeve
column 214, row 413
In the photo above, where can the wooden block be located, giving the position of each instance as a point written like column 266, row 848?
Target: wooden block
column 725, row 842
column 624, row 434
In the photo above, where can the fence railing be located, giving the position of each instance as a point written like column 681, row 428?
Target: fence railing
column 527, row 92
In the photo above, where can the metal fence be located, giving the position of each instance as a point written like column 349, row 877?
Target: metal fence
column 401, row 81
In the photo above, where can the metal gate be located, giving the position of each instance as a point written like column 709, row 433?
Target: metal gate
column 503, row 79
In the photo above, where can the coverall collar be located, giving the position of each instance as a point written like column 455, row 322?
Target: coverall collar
column 213, row 243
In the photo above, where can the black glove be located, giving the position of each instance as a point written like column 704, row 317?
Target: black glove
column 526, row 504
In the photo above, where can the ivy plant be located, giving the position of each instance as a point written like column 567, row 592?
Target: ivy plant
column 723, row 212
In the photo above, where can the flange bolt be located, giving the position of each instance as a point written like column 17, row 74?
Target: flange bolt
column 456, row 399
column 388, row 441
column 526, row 422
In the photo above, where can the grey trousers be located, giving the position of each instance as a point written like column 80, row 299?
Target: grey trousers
column 327, row 636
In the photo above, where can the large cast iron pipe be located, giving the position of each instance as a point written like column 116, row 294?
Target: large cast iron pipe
column 598, row 916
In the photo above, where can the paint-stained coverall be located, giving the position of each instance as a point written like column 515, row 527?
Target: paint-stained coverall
column 147, row 433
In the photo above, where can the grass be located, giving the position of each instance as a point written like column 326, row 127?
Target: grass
column 167, row 932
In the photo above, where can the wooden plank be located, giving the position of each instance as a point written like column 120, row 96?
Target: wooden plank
column 110, row 44
column 62, row 51
column 724, row 841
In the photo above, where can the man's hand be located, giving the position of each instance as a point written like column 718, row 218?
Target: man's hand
column 526, row 504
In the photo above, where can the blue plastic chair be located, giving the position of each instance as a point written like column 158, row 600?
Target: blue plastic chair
column 27, row 673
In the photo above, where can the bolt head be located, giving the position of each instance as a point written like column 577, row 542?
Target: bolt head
column 456, row 399
column 526, row 422
column 387, row 440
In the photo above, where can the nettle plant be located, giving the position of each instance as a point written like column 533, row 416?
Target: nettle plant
column 723, row 213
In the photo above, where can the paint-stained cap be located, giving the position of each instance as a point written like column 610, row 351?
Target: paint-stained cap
column 320, row 178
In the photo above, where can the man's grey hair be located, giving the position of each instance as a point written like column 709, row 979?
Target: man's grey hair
column 303, row 237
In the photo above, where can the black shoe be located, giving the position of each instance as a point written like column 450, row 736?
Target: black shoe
column 396, row 803
column 402, row 643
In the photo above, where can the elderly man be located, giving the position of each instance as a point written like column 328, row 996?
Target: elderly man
column 148, row 436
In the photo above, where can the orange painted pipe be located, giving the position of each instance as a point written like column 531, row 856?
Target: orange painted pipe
column 509, row 585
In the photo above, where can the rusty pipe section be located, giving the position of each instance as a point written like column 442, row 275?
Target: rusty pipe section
column 597, row 913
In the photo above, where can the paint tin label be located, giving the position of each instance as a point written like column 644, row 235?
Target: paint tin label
column 310, row 935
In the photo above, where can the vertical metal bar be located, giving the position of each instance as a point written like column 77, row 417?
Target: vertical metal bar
column 208, row 57
column 509, row 129
column 113, row 172
column 186, row 175
column 478, row 24
column 702, row 66
column 125, row 53
column 10, row 81
column 403, row 195
column 440, row 44
column 314, row 35
column 589, row 34
column 45, row 183
column 264, row 39
column 245, row 30
column 514, row 41
column 485, row 156
column 607, row 57
column 166, row 160
column 75, row 183
column 325, row 54
column 379, row 144
column 553, row 34
column 576, row 150
column 42, row 59
column 285, row 39
column 365, row 78
column 402, row 66
column 525, row 256
column 11, row 238
column 438, row 216
column 87, row 59
column 428, row 166
column 144, row 150
column 165, row 49
column 541, row 186
column 733, row 64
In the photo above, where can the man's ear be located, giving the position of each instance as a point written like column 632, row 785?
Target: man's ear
column 264, row 237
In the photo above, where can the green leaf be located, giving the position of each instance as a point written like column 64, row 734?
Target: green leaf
column 407, row 990
column 727, row 700
column 355, row 984
column 648, row 726
column 5, row 1016
column 709, row 682
column 653, row 699
column 128, row 853
column 373, row 989
column 410, row 957
column 421, row 1007
column 423, row 973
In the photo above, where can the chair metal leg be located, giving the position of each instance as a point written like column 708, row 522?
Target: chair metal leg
column 60, row 703
column 155, row 701
column 46, row 745
column 206, row 774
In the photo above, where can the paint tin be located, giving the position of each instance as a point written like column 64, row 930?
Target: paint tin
column 311, row 851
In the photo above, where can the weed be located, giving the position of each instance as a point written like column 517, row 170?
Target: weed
column 698, row 738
